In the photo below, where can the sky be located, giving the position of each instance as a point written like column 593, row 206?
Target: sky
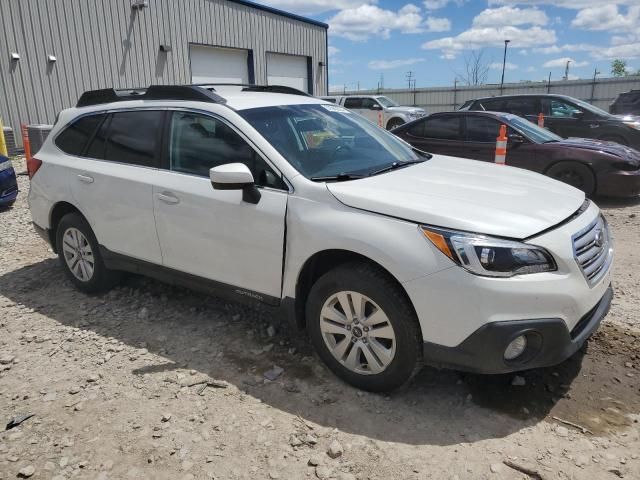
column 432, row 38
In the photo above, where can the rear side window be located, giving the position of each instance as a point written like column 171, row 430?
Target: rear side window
column 443, row 128
column 521, row 106
column 353, row 103
column 133, row 137
column 491, row 105
column 75, row 137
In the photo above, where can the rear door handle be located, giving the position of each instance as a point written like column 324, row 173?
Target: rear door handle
column 85, row 178
column 168, row 198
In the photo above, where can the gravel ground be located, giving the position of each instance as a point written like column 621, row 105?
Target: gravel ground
column 153, row 381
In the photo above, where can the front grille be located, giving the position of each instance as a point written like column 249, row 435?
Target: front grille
column 592, row 250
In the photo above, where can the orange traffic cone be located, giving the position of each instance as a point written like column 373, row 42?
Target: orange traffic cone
column 541, row 120
column 501, row 146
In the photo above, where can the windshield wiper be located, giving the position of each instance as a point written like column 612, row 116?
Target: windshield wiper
column 396, row 165
column 338, row 178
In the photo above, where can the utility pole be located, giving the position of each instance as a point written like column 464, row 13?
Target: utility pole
column 549, row 84
column 409, row 77
column 358, row 85
column 593, row 84
column 504, row 63
column 566, row 71
column 455, row 93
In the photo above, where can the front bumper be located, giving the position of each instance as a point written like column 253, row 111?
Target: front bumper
column 619, row 183
column 549, row 342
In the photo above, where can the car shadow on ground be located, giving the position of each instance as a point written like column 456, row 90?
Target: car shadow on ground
column 228, row 342
column 616, row 202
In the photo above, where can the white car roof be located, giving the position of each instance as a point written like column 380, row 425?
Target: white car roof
column 234, row 96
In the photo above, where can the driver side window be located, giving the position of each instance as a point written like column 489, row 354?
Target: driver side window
column 559, row 109
column 198, row 143
column 369, row 103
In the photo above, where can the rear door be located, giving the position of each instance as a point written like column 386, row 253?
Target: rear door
column 363, row 106
column 112, row 184
column 525, row 107
column 214, row 233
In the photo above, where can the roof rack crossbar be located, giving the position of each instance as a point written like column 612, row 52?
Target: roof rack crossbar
column 250, row 87
column 154, row 92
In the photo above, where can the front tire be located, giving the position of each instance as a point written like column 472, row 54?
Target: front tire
column 394, row 123
column 575, row 174
column 79, row 255
column 364, row 328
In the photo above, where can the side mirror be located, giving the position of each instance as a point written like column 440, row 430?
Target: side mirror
column 235, row 176
column 578, row 115
column 375, row 106
column 516, row 139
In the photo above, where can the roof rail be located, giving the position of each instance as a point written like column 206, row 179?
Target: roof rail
column 154, row 92
column 249, row 87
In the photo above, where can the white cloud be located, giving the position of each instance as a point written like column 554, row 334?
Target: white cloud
column 507, row 66
column 437, row 4
column 435, row 24
column 307, row 7
column 524, row 52
column 360, row 23
column 607, row 17
column 531, row 68
column 562, row 62
column 569, row 47
column 332, row 51
column 573, row 4
column 389, row 64
column 492, row 37
column 629, row 50
column 509, row 16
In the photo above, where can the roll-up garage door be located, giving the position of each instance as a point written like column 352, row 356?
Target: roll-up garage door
column 288, row 70
column 219, row 65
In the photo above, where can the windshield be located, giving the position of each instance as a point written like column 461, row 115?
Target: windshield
column 386, row 102
column 590, row 108
column 532, row 131
column 325, row 140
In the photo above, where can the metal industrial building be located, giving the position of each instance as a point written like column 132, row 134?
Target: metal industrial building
column 51, row 51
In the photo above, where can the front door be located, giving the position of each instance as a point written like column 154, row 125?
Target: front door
column 214, row 233
column 567, row 120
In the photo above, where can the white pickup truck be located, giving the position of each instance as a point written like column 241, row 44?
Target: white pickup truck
column 378, row 108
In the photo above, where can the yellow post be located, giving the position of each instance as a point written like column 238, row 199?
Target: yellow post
column 3, row 143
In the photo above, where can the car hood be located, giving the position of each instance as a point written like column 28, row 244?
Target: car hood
column 465, row 195
column 611, row 148
column 406, row 109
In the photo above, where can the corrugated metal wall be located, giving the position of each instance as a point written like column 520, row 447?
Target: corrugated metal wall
column 600, row 93
column 105, row 43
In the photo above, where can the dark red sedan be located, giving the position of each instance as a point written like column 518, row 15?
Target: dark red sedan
column 594, row 166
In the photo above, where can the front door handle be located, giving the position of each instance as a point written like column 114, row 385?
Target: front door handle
column 85, row 178
column 168, row 198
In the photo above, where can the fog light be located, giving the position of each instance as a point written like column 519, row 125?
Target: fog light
column 515, row 348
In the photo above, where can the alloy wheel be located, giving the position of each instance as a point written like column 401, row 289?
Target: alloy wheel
column 78, row 254
column 357, row 332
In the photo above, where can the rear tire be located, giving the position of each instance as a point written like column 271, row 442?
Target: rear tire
column 575, row 174
column 383, row 348
column 394, row 123
column 79, row 255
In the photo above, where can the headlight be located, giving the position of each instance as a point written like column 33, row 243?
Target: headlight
column 487, row 256
column 5, row 165
column 635, row 125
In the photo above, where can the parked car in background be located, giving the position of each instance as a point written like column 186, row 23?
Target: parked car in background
column 565, row 116
column 8, row 183
column 303, row 206
column 593, row 166
column 379, row 109
column 627, row 103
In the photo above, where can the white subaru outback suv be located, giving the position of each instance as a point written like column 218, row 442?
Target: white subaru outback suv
column 389, row 257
